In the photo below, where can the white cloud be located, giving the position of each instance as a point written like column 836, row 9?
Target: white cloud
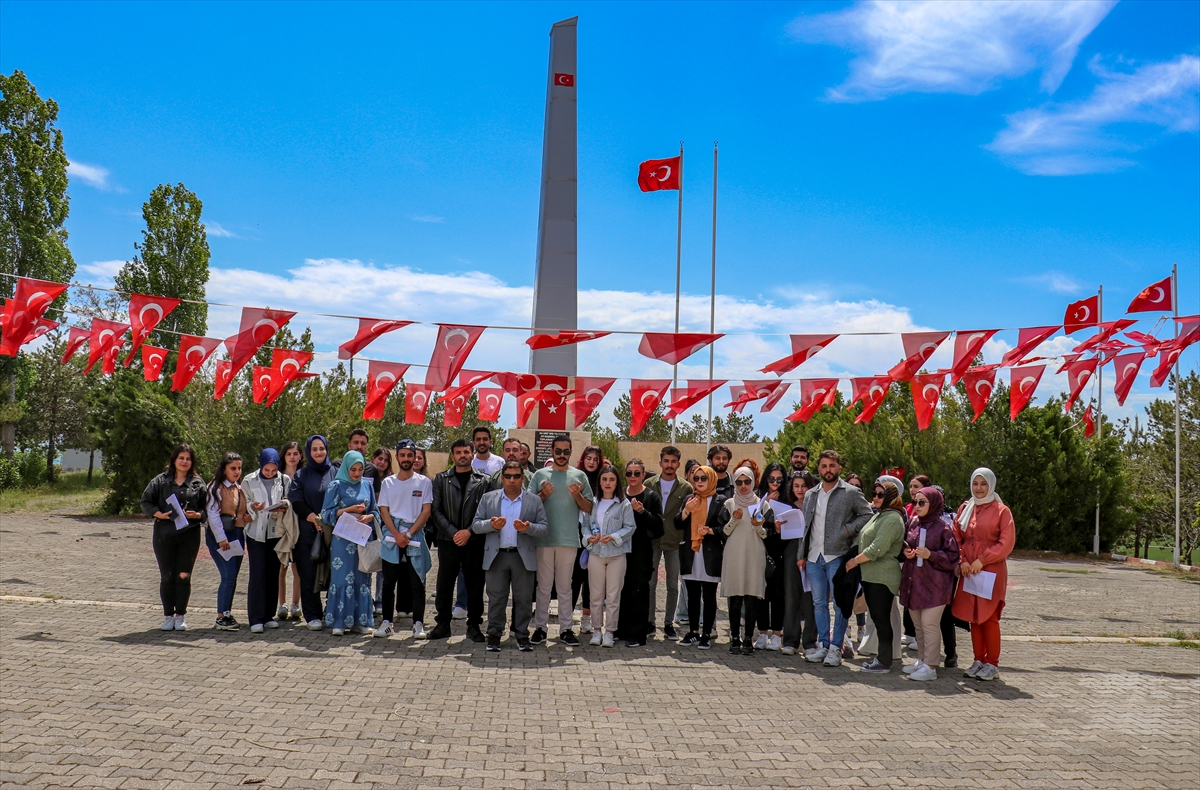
column 951, row 47
column 1071, row 138
column 215, row 229
column 427, row 218
column 1056, row 282
column 101, row 272
column 92, row 175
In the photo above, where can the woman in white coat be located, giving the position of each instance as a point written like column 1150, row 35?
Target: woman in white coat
column 266, row 501
column 606, row 536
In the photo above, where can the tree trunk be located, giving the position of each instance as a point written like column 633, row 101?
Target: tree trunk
column 91, row 465
column 50, row 461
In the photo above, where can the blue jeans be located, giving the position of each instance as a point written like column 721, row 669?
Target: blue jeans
column 228, row 569
column 820, row 576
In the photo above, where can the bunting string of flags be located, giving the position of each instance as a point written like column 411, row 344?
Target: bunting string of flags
column 553, row 397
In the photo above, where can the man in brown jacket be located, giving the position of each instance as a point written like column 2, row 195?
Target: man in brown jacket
column 674, row 493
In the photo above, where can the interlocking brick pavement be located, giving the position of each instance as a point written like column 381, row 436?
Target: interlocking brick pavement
column 95, row 696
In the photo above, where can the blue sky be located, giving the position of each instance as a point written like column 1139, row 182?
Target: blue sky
column 883, row 168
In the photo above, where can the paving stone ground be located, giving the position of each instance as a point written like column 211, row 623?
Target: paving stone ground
column 93, row 695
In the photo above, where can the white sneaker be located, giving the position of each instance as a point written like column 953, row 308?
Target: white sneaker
column 974, row 670
column 608, row 639
column 788, row 650
column 361, row 629
column 315, row 625
column 257, row 628
column 926, row 672
column 988, row 672
column 774, row 642
column 168, row 623
column 908, row 641
column 338, row 632
column 585, row 624
column 418, row 630
column 597, row 639
column 272, row 624
column 459, row 613
column 911, row 668
column 384, row 630
column 761, row 642
column 816, row 655
column 180, row 624
column 294, row 612
column 833, row 657
column 282, row 612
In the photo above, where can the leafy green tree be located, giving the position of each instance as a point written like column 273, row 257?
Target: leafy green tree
column 61, row 393
column 33, row 211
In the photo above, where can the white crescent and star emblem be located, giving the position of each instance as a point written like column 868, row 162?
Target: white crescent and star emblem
column 599, row 393
column 380, row 327
column 264, row 322
column 453, row 333
column 663, row 172
column 1024, row 381
column 492, row 399
column 150, row 306
column 871, row 391
column 925, row 393
column 419, row 399
column 563, row 79
column 37, row 299
column 523, row 381
column 653, row 396
column 925, row 354
column 983, row 383
column 289, row 362
column 1083, row 376
column 1161, row 294
column 816, row 396
column 1083, row 313
column 1125, row 371
column 188, row 354
column 383, row 379
column 152, row 359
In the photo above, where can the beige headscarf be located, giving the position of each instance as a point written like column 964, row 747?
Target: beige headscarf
column 700, row 514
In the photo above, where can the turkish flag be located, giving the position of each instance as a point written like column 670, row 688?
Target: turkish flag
column 586, row 397
column 1078, row 373
column 1089, row 423
column 772, row 400
column 1189, row 330
column 42, row 327
column 450, row 351
column 659, row 174
column 467, row 381
column 1107, row 330
column 685, row 398
column 452, row 409
column 193, row 351
column 1028, row 339
column 872, row 391
column 1126, row 367
column 1082, row 314
column 145, row 313
column 258, row 326
column 565, row 80
column 31, row 299
column 1024, row 384
column 926, row 391
column 382, row 378
column 895, row 471
column 673, row 348
column 368, row 330
column 153, row 360
column 551, row 401
column 803, row 349
column 645, row 395
column 490, row 400
column 263, row 379
column 104, row 342
column 1169, row 352
column 222, row 379
column 562, row 339
column 748, row 391
column 76, row 337
column 918, row 347
column 287, row 364
column 530, row 399
column 509, row 382
column 967, row 346
column 814, row 395
column 979, row 383
column 1155, row 298
column 416, row 402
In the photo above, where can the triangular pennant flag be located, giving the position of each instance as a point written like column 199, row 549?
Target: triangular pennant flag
column 263, row 379
column 1078, row 373
column 772, row 400
column 1028, row 339
column 467, row 381
column 918, row 347
column 685, row 398
column 815, row 394
column 416, row 402
column 1024, row 384
column 645, row 395
column 490, row 400
column 368, row 330
column 76, row 337
column 1107, row 330
column 1089, row 422
column 450, row 352
column 31, row 299
column 258, row 326
column 673, row 348
column 967, row 346
column 1126, row 367
column 104, row 342
column 382, row 378
column 145, row 313
column 803, row 349
column 153, row 361
column 586, row 397
column 926, row 392
column 288, row 363
column 979, row 383
column 562, row 339
column 222, row 378
column 193, row 352
column 452, row 409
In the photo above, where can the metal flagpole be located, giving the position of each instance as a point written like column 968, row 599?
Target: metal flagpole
column 1099, row 420
column 712, row 302
column 678, row 254
column 1175, row 311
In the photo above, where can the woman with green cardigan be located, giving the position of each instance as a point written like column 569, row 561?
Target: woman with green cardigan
column 879, row 562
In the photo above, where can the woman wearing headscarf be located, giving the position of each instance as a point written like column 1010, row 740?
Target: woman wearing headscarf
column 702, row 520
column 986, row 535
column 880, row 543
column 307, row 496
column 770, row 609
column 927, row 578
column 266, row 501
column 744, row 569
column 349, row 605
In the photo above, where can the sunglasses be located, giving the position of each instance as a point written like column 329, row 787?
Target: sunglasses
column 776, row 480
column 878, row 495
column 514, row 477
column 742, row 482
column 633, row 473
column 701, row 478
column 562, row 452
column 920, row 502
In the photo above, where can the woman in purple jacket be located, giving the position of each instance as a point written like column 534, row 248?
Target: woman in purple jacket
column 927, row 578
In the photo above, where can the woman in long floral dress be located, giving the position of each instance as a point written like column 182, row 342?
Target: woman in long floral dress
column 349, row 604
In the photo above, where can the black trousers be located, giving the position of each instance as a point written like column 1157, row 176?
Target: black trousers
column 799, row 620
column 176, row 552
column 770, row 607
column 310, row 599
column 400, row 578
column 635, row 594
column 452, row 559
column 262, row 591
column 698, row 592
column 579, row 584
column 879, row 604
column 736, row 604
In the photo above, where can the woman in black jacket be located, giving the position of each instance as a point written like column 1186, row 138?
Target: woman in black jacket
column 307, row 496
column 634, row 623
column 770, row 610
column 176, row 548
column 702, row 521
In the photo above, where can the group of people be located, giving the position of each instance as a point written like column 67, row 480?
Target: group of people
column 782, row 545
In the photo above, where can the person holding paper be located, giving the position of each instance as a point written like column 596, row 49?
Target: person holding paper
column 292, row 459
column 228, row 516
column 635, row 594
column 701, row 523
column 405, row 504
column 349, row 604
column 307, row 496
column 770, row 608
column 927, row 579
column 799, row 622
column 266, row 499
column 986, row 534
column 881, row 541
column 744, row 569
column 606, row 532
column 175, row 549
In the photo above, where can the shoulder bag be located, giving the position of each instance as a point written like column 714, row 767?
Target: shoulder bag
column 370, row 559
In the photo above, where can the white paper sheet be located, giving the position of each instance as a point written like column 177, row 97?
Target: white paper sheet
column 793, row 524
column 181, row 520
column 804, row 580
column 348, row 527
column 981, row 584
column 921, row 545
column 235, row 550
column 780, row 507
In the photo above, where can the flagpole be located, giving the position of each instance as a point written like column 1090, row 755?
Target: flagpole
column 1099, row 419
column 1175, row 311
column 712, row 302
column 678, row 259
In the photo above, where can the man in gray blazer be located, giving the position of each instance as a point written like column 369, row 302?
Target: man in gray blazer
column 512, row 519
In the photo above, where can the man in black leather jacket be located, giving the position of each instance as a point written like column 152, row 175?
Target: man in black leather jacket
column 456, row 495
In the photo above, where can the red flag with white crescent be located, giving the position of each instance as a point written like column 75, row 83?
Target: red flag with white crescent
column 815, row 394
column 153, row 361
column 586, row 397
column 104, row 343
column 31, row 299
column 76, row 337
column 263, row 379
column 738, row 398
column 145, row 313
column 872, row 391
column 1089, row 422
column 42, row 327
column 804, row 347
column 967, row 346
column 1189, row 330
column 1168, row 353
column 490, row 400
column 467, row 381
column 1078, row 374
column 1028, row 339
column 1156, row 298
column 527, row 401
column 979, row 383
column 659, row 174
column 776, row 394
column 1126, row 367
column 509, row 382
column 416, row 403
column 382, row 378
column 368, row 330
column 258, row 326
column 1107, row 330
column 684, row 398
column 450, row 351
column 452, row 409
column 222, row 378
column 551, row 400
column 673, row 348
column 289, row 363
column 1082, row 314
column 1023, row 384
column 645, row 395
column 918, row 347
column 749, row 391
column 562, row 339
column 193, row 352
column 926, row 392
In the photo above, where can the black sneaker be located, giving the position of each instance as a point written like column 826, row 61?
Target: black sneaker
column 568, row 638
column 705, row 642
column 669, row 632
column 636, row 643
column 440, row 631
column 227, row 623
column 539, row 636
column 735, row 647
column 690, row 638
column 951, row 662
column 475, row 635
column 493, row 644
column 523, row 644
column 747, row 648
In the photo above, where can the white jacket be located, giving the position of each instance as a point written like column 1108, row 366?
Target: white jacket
column 265, row 525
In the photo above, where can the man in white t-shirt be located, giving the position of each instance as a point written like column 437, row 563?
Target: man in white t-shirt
column 484, row 461
column 405, row 500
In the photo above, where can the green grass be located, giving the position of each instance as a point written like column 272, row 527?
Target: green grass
column 70, row 493
column 1162, row 554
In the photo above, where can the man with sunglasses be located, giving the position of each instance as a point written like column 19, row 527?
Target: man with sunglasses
column 511, row 519
column 565, row 493
column 512, row 452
